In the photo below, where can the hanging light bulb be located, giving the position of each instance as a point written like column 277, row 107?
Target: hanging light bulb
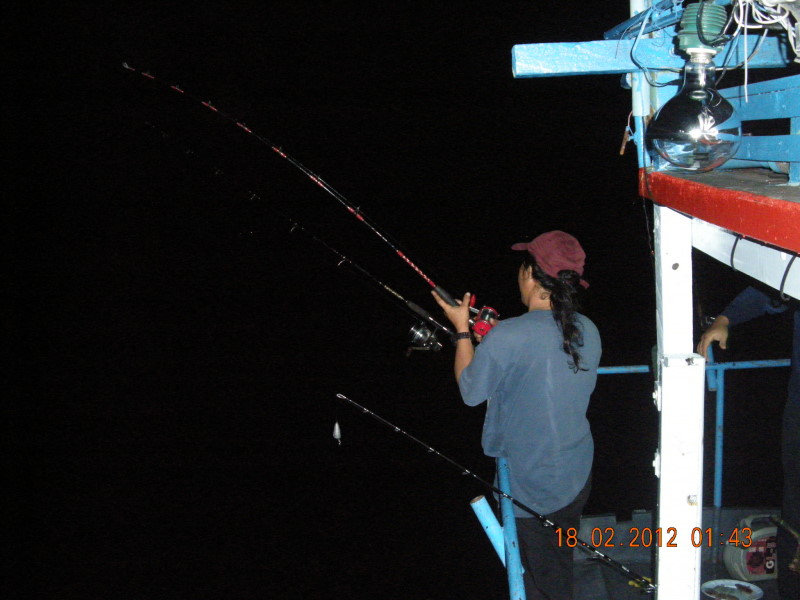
column 697, row 129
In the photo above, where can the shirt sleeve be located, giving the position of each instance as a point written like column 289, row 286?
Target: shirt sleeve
column 750, row 304
column 482, row 377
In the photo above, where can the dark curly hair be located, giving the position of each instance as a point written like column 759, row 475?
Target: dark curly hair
column 564, row 300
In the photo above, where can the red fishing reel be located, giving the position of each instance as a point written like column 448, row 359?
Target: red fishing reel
column 482, row 323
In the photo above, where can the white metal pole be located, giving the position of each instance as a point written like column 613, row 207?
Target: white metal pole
column 680, row 398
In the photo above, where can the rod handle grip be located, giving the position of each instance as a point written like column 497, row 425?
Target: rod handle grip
column 418, row 309
column 445, row 296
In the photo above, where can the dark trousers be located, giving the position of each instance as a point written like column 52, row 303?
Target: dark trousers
column 789, row 581
column 548, row 565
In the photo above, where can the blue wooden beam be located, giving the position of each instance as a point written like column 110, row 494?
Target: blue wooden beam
column 613, row 57
column 794, row 167
column 776, row 148
column 773, row 99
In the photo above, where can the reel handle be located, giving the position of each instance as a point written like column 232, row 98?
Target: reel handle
column 483, row 323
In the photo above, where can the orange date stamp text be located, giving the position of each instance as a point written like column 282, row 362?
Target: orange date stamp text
column 646, row 537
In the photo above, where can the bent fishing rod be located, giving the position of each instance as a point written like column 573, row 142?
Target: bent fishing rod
column 422, row 337
column 485, row 316
column 640, row 581
column 355, row 211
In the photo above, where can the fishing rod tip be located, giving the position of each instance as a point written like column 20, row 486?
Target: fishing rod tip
column 341, row 396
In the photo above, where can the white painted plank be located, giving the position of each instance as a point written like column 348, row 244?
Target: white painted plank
column 760, row 262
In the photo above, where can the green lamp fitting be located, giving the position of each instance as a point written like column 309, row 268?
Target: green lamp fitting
column 700, row 29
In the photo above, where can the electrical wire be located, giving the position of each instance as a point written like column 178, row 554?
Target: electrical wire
column 747, row 15
column 750, row 14
column 747, row 59
column 645, row 70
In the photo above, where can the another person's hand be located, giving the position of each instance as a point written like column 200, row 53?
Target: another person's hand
column 458, row 315
column 718, row 332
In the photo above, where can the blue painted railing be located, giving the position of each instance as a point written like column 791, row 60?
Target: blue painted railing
column 504, row 539
column 490, row 525
column 715, row 380
column 623, row 370
column 516, row 586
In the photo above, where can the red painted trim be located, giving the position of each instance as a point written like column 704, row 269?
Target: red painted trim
column 769, row 220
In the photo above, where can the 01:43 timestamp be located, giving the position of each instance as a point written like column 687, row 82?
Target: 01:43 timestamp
column 645, row 537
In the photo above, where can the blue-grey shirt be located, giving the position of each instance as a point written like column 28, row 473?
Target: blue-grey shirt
column 536, row 413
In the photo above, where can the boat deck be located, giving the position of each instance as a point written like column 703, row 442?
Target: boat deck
column 756, row 203
column 760, row 181
column 596, row 581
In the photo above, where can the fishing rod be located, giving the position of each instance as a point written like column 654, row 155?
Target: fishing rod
column 640, row 581
column 354, row 210
column 422, row 337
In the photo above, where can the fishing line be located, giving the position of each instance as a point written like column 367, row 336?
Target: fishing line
column 414, row 308
column 638, row 580
column 635, row 579
column 355, row 211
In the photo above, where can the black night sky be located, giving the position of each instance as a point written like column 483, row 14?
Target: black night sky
column 175, row 439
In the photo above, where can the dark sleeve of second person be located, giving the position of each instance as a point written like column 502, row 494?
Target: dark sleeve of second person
column 750, row 304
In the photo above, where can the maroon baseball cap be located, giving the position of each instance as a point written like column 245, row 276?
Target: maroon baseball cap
column 556, row 251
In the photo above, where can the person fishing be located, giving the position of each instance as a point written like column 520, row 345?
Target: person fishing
column 536, row 373
column 423, row 334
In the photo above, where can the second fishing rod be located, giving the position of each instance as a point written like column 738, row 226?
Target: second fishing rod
column 484, row 316
column 644, row 584
column 422, row 334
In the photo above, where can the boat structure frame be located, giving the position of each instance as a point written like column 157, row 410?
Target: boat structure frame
column 746, row 214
